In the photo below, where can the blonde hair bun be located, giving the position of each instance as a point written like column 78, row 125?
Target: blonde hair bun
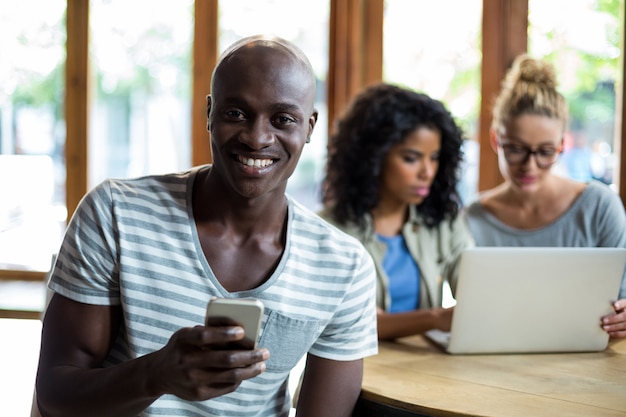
column 529, row 87
column 532, row 71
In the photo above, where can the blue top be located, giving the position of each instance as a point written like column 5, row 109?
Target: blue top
column 403, row 273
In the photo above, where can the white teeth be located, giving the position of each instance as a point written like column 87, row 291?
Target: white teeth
column 257, row 163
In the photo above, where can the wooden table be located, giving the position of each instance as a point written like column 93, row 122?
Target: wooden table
column 411, row 377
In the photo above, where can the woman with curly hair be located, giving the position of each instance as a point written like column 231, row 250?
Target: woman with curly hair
column 392, row 171
column 534, row 206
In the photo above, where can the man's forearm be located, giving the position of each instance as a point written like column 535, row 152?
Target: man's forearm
column 119, row 391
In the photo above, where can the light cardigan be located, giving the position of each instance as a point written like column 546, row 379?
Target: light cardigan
column 436, row 250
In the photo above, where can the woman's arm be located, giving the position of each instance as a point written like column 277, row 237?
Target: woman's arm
column 395, row 325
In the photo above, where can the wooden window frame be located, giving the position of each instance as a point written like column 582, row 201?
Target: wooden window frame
column 355, row 61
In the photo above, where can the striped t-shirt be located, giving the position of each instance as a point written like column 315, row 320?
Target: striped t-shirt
column 134, row 243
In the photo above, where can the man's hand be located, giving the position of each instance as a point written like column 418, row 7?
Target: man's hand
column 205, row 362
column 197, row 363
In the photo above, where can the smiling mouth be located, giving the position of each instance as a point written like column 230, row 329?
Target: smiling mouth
column 257, row 163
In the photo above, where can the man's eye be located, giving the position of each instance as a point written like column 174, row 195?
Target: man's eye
column 285, row 120
column 234, row 114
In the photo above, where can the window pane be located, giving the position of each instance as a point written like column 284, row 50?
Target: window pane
column 140, row 120
column 582, row 39
column 309, row 31
column 431, row 50
column 32, row 133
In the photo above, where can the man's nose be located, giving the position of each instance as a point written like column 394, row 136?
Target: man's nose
column 259, row 134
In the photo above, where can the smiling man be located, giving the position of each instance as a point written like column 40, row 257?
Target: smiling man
column 124, row 334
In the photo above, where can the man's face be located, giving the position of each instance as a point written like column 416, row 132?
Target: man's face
column 260, row 116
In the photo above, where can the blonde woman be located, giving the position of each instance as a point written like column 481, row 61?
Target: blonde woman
column 534, row 206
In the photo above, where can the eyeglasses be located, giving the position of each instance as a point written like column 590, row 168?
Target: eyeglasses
column 545, row 156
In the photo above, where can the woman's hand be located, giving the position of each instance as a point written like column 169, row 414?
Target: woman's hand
column 615, row 323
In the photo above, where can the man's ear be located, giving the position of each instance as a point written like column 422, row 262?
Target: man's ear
column 493, row 140
column 208, row 112
column 312, row 122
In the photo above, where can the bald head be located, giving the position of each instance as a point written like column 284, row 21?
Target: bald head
column 261, row 50
column 258, row 68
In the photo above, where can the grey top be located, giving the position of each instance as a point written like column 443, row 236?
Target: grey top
column 134, row 243
column 595, row 219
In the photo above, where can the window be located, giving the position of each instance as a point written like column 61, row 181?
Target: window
column 587, row 63
column 421, row 53
column 141, row 78
column 32, row 132
column 140, row 118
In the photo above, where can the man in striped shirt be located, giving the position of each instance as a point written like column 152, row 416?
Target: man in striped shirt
column 124, row 333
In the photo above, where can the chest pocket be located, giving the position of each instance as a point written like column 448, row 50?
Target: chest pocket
column 287, row 339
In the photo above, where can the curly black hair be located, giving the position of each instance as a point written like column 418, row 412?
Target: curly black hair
column 380, row 117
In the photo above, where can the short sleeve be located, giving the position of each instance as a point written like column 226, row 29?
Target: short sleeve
column 352, row 333
column 611, row 219
column 86, row 269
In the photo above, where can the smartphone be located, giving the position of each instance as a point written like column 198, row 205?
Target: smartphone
column 247, row 312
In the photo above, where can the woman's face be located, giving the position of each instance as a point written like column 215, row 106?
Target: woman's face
column 527, row 149
column 410, row 167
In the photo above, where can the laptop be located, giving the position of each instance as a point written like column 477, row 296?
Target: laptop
column 532, row 300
